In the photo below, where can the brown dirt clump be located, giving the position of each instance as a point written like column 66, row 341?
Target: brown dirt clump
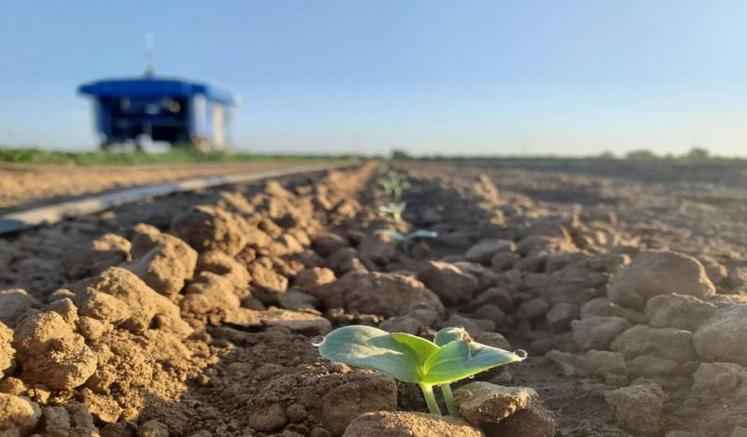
column 51, row 353
column 209, row 228
column 402, row 424
column 7, row 353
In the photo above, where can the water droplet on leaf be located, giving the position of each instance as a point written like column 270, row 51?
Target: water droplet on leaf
column 318, row 340
column 521, row 353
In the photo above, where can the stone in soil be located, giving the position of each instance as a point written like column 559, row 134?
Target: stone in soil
column 296, row 321
column 406, row 424
column 533, row 309
column 473, row 326
column 327, row 243
column 504, row 260
column 377, row 249
column 603, row 363
column 678, row 311
column 143, row 302
column 720, row 381
column 450, row 282
column 15, row 304
column 649, row 366
column 368, row 393
column 103, row 307
column 570, row 364
column 312, row 277
column 209, row 228
column 266, row 281
column 497, row 296
column 534, row 421
column 18, row 415
column 602, row 307
column 412, row 323
column 668, row 343
column 345, row 260
column 638, row 408
column 483, row 402
column 145, row 240
column 659, row 272
column 93, row 257
column 267, row 418
column 209, row 294
column 385, row 294
column 295, row 299
column 225, row 266
column 153, row 428
column 51, row 353
column 483, row 251
column 598, row 332
column 165, row 268
column 7, row 353
column 723, row 337
column 560, row 316
column 494, row 339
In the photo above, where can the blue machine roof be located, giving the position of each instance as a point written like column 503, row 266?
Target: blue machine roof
column 153, row 86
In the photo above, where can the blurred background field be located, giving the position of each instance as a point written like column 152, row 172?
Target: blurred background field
column 174, row 156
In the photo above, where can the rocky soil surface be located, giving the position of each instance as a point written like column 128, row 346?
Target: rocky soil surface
column 194, row 314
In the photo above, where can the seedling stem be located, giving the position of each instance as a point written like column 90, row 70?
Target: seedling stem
column 430, row 399
column 449, row 398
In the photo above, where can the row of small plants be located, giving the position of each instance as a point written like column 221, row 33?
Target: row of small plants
column 453, row 354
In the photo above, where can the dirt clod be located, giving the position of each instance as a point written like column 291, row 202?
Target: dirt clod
column 669, row 343
column 270, row 417
column 386, row 294
column 50, row 353
column 534, row 421
column 450, row 283
column 7, row 353
column 18, row 414
column 638, row 408
column 15, row 304
column 678, row 311
column 482, row 402
column 93, row 257
column 659, row 272
column 368, row 393
column 209, row 228
column 405, row 424
column 598, row 332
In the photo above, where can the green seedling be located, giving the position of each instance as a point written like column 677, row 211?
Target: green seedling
column 394, row 185
column 451, row 356
column 393, row 209
column 406, row 240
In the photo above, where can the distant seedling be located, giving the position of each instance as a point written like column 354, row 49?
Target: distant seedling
column 394, row 185
column 395, row 210
column 452, row 355
column 405, row 240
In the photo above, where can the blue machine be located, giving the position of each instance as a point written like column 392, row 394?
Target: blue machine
column 177, row 111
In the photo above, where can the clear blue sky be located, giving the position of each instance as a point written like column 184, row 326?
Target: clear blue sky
column 431, row 76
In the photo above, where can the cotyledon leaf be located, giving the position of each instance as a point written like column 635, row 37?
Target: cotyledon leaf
column 459, row 359
column 422, row 347
column 372, row 348
column 409, row 358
